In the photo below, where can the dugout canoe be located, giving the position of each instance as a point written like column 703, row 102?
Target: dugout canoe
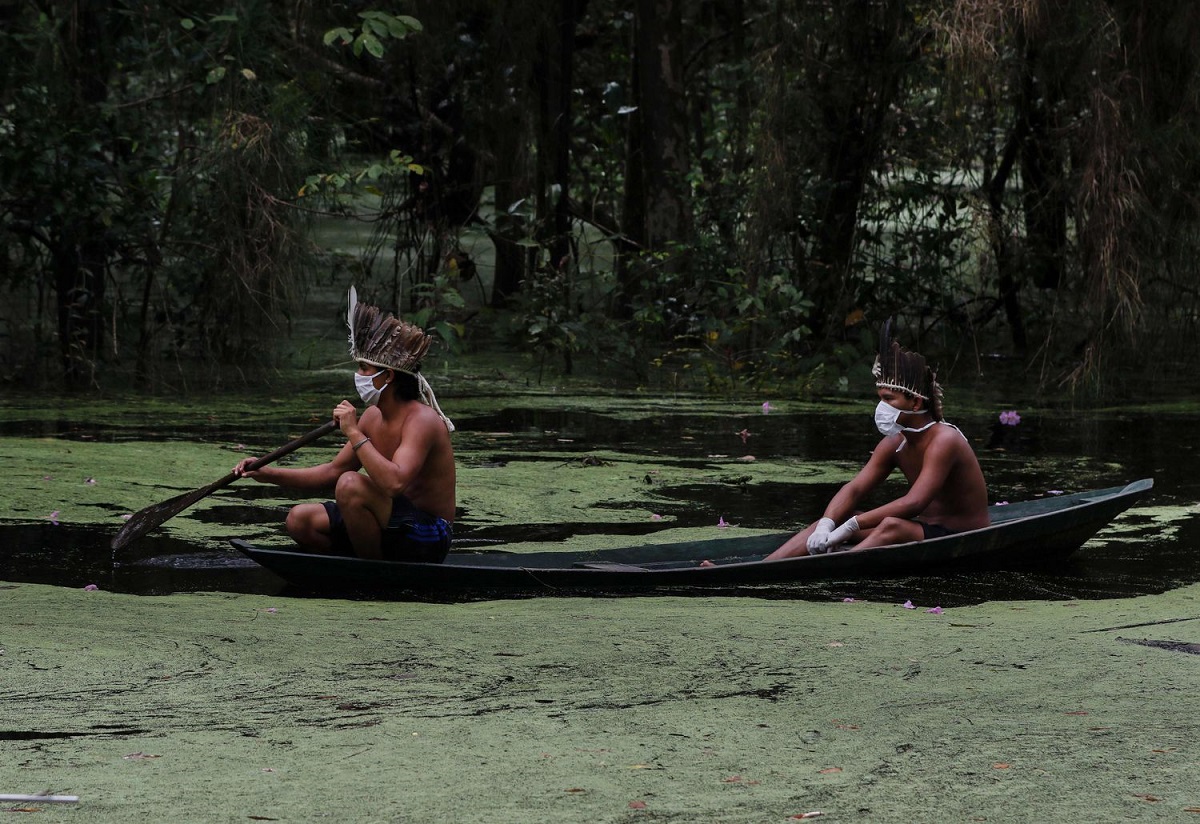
column 1038, row 531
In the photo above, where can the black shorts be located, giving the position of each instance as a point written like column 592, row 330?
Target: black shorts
column 410, row 535
column 935, row 531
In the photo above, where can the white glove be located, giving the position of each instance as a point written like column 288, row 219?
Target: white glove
column 840, row 534
column 816, row 541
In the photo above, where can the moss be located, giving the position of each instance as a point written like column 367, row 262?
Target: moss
column 221, row 707
column 99, row 483
column 215, row 707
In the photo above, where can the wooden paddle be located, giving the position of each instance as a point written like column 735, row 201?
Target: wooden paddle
column 153, row 516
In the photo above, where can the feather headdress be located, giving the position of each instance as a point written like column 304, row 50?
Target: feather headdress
column 904, row 371
column 382, row 339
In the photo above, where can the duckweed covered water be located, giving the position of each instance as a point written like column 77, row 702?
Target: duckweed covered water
column 578, row 475
column 237, row 702
column 225, row 707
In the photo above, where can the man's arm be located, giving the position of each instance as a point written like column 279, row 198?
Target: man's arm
column 874, row 472
column 843, row 503
column 395, row 474
column 939, row 460
column 322, row 476
column 312, row 478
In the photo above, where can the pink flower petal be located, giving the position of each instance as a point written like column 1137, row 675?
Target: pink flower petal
column 53, row 517
column 935, row 611
column 90, row 588
column 90, row 481
column 847, row 600
column 908, row 605
column 126, row 516
column 655, row 517
column 766, row 407
column 721, row 524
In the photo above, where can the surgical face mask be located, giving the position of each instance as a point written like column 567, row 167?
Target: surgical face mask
column 888, row 423
column 366, row 388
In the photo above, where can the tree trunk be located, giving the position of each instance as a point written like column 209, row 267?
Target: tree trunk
column 854, row 79
column 661, row 102
column 1043, row 167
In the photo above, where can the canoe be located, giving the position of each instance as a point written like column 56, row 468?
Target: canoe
column 1037, row 531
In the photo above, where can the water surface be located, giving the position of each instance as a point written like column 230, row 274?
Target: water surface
column 1043, row 455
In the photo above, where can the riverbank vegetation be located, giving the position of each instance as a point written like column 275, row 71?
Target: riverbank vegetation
column 716, row 194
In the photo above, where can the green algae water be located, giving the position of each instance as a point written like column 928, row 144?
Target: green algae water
column 570, row 471
column 1058, row 694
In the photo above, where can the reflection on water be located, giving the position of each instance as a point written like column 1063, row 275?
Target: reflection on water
column 1068, row 452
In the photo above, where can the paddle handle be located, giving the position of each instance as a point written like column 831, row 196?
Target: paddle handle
column 147, row 519
column 287, row 449
column 304, row 440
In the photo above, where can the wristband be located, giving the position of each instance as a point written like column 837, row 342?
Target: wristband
column 360, row 443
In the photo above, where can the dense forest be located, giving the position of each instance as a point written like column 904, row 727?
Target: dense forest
column 744, row 186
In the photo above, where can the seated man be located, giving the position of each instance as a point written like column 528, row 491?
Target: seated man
column 946, row 492
column 402, row 508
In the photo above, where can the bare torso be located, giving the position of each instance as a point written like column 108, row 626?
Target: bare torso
column 960, row 500
column 413, row 435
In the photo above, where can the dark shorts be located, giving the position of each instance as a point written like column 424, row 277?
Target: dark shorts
column 410, row 534
column 935, row 530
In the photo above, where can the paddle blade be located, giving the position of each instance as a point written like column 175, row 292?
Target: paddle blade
column 154, row 516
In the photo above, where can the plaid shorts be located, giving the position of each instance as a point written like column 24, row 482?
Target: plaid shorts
column 410, row 535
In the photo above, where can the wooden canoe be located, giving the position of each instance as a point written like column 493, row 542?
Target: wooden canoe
column 1030, row 532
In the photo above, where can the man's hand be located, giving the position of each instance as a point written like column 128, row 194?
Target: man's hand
column 347, row 418
column 239, row 469
column 818, row 541
column 841, row 534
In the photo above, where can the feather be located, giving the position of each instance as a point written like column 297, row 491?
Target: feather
column 897, row 368
column 885, row 341
column 381, row 339
column 350, row 312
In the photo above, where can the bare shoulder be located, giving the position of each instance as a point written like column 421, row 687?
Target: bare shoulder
column 423, row 420
column 370, row 418
column 950, row 441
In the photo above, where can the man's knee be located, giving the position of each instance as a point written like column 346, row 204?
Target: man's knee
column 895, row 529
column 892, row 525
column 351, row 489
column 304, row 521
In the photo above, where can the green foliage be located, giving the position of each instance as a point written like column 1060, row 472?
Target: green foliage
column 375, row 28
column 979, row 173
column 343, row 187
column 545, row 318
column 440, row 304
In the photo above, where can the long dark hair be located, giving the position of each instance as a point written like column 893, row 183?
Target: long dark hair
column 405, row 386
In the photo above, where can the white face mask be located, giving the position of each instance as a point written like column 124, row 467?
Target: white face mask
column 366, row 388
column 888, row 423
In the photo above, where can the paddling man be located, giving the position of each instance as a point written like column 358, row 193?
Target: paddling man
column 946, row 491
column 401, row 506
